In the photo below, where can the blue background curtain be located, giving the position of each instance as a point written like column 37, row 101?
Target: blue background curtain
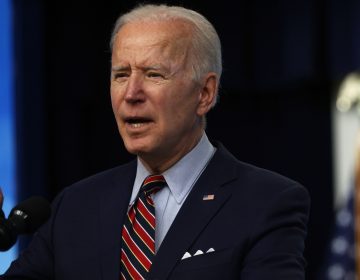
column 7, row 121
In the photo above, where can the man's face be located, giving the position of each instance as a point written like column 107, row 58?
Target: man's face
column 154, row 98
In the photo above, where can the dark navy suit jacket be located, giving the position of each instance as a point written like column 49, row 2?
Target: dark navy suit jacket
column 256, row 224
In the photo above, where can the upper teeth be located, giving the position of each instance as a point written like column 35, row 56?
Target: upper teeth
column 136, row 125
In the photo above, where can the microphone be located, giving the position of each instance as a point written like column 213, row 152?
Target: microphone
column 25, row 218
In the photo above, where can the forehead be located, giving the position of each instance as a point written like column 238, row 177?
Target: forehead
column 170, row 28
column 166, row 36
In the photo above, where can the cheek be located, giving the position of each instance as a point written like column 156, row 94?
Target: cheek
column 115, row 96
column 179, row 113
column 186, row 105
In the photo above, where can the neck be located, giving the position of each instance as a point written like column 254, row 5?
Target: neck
column 159, row 164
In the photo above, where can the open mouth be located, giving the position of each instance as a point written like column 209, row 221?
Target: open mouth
column 137, row 122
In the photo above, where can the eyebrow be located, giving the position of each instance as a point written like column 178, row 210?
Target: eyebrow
column 144, row 68
column 153, row 67
column 119, row 68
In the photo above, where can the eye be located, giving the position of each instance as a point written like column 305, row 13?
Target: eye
column 155, row 75
column 120, row 75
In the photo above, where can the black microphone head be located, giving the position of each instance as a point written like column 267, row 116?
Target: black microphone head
column 30, row 214
column 2, row 215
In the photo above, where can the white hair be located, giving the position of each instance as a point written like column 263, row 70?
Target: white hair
column 206, row 46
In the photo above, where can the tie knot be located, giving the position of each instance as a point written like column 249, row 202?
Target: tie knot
column 152, row 184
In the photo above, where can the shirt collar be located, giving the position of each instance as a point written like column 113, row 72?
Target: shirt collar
column 181, row 177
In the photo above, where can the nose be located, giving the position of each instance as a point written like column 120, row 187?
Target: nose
column 135, row 89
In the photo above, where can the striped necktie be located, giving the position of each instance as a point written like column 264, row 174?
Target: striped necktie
column 138, row 233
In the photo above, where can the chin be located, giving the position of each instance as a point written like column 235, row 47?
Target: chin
column 133, row 150
column 136, row 149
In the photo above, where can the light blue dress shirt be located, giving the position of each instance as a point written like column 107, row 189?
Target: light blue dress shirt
column 180, row 179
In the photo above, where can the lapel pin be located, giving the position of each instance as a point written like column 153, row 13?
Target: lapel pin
column 208, row 197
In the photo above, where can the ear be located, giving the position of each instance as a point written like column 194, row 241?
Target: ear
column 208, row 93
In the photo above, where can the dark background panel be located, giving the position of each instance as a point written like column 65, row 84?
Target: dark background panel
column 281, row 60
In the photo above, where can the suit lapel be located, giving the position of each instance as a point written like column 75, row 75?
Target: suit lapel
column 113, row 207
column 195, row 214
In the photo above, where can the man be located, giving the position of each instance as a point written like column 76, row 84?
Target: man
column 216, row 217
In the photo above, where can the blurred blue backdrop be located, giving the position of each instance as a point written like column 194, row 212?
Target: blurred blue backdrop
column 7, row 122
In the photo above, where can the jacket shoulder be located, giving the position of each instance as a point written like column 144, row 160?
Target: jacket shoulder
column 256, row 179
column 103, row 181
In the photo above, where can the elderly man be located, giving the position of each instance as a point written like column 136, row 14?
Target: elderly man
column 186, row 208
